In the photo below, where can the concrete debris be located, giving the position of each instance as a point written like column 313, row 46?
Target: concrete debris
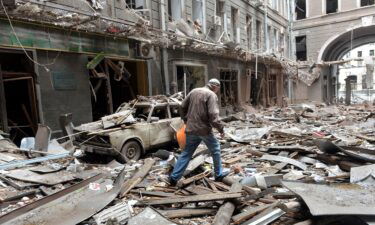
column 120, row 212
column 308, row 77
column 272, row 158
column 336, row 199
column 149, row 216
column 97, row 4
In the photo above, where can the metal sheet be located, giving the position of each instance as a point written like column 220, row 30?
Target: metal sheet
column 338, row 199
column 285, row 160
column 12, row 165
column 363, row 174
column 49, row 168
column 360, row 153
column 363, row 154
column 69, row 206
column 47, row 179
column 149, row 216
column 266, row 217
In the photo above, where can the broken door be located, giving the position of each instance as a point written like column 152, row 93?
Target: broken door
column 114, row 82
column 19, row 114
column 229, row 87
column 190, row 77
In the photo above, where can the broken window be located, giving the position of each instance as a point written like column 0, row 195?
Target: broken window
column 234, row 22
column 274, row 39
column 332, row 6
column 160, row 112
column 258, row 35
column 301, row 52
column 136, row 4
column 248, row 31
column 353, row 82
column 371, row 53
column 219, row 8
column 219, row 19
column 228, row 89
column 175, row 111
column 300, row 9
column 269, row 39
column 281, row 43
column 272, row 90
column 19, row 115
column 174, row 9
column 198, row 13
column 359, row 54
column 114, row 82
column 190, row 77
column 287, row 46
column 367, row 2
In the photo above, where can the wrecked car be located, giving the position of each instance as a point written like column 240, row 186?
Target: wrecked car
column 132, row 130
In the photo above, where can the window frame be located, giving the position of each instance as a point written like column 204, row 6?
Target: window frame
column 369, row 4
column 324, row 7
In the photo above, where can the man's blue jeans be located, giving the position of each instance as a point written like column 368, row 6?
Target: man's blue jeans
column 192, row 142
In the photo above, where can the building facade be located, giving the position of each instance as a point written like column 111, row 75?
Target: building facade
column 87, row 57
column 323, row 32
column 360, row 72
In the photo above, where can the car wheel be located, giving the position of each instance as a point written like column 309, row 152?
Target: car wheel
column 131, row 151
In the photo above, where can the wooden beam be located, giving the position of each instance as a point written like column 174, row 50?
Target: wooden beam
column 194, row 178
column 231, row 181
column 250, row 212
column 153, row 193
column 137, row 177
column 195, row 198
column 225, row 212
column 267, row 216
column 183, row 213
column 109, row 89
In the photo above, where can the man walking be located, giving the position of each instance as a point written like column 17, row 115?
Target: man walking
column 200, row 112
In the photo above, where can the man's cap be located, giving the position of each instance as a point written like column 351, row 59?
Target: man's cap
column 214, row 82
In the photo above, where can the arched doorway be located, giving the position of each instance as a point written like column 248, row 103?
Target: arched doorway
column 333, row 51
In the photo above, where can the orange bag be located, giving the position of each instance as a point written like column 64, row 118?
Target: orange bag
column 181, row 137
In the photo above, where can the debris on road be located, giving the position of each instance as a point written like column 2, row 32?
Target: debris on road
column 288, row 174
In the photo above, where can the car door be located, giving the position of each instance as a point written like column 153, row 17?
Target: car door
column 160, row 129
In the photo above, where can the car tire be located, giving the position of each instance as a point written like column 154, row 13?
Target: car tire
column 132, row 150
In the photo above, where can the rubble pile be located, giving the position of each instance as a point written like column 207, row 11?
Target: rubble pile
column 303, row 164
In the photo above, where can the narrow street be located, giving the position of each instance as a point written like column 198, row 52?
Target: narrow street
column 264, row 108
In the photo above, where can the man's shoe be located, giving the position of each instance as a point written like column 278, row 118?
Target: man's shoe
column 220, row 178
column 172, row 182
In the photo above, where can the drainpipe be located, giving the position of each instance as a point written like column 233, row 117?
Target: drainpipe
column 290, row 6
column 266, row 25
column 164, row 54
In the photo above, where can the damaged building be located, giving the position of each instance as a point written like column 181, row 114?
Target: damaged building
column 87, row 57
column 325, row 33
column 90, row 112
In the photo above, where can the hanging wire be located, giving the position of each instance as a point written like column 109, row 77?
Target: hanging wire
column 19, row 42
column 23, row 48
